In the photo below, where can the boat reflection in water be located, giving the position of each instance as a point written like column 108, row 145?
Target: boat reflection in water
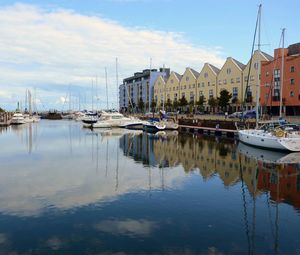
column 70, row 190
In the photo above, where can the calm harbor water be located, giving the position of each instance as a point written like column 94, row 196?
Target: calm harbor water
column 68, row 190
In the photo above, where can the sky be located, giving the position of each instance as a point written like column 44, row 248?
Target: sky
column 60, row 48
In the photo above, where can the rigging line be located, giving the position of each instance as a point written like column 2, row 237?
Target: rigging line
column 270, row 215
column 250, row 63
column 245, row 206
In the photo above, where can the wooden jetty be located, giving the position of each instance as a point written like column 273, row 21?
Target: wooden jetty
column 5, row 119
column 216, row 127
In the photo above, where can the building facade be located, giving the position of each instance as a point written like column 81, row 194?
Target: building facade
column 230, row 78
column 188, row 88
column 271, row 80
column 207, row 83
column 138, row 87
column 165, row 89
column 251, row 78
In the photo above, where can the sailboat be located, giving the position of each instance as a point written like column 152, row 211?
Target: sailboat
column 277, row 134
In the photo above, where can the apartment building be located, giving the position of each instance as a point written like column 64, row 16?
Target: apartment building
column 139, row 86
column 188, row 87
column 251, row 77
column 207, row 83
column 271, row 80
column 230, row 78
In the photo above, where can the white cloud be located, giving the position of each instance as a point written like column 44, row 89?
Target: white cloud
column 128, row 227
column 40, row 46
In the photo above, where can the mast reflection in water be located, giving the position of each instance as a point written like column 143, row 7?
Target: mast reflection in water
column 67, row 190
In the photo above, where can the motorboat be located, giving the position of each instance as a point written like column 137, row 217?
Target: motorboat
column 18, row 119
column 134, row 124
column 31, row 118
column 153, row 127
column 90, row 118
column 170, row 124
column 109, row 120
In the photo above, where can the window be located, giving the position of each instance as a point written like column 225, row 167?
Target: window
column 205, row 75
column 208, row 83
column 183, row 94
column 187, row 78
column 234, row 92
column 198, row 85
column 292, row 81
column 238, row 79
column 232, row 80
column 220, row 82
column 256, row 65
column 202, row 84
column 200, row 93
column 292, row 93
column 211, row 93
column 251, row 78
column 292, row 69
column 225, row 81
column 267, row 85
column 267, row 74
column 246, row 78
column 184, row 86
column 177, row 88
column 228, row 71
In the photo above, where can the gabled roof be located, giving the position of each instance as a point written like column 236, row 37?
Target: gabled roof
column 178, row 76
column 239, row 64
column 215, row 69
column 195, row 73
column 267, row 56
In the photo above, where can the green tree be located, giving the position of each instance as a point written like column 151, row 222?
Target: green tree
column 201, row 103
column 175, row 104
column 224, row 98
column 183, row 102
column 169, row 104
column 2, row 110
column 153, row 105
column 141, row 105
column 212, row 102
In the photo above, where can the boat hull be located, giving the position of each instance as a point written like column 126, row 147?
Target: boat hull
column 262, row 139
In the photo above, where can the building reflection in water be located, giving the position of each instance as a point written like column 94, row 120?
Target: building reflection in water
column 212, row 157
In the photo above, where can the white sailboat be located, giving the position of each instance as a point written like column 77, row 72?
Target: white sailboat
column 275, row 134
column 18, row 118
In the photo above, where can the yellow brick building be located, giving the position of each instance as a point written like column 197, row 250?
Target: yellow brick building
column 253, row 77
column 160, row 91
column 173, row 87
column 188, row 87
column 207, row 83
column 230, row 78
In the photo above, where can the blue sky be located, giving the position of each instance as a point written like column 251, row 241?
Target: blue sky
column 214, row 30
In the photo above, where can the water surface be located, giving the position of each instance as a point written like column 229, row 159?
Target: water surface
column 68, row 190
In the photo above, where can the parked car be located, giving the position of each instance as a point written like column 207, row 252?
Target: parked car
column 199, row 113
column 235, row 115
column 249, row 114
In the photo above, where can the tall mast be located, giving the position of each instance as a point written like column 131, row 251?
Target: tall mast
column 106, row 88
column 149, row 92
column 92, row 95
column 258, row 67
column 282, row 72
column 117, row 82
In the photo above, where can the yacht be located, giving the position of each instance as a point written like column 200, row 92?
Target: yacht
column 278, row 136
column 109, row 120
column 267, row 156
column 18, row 119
